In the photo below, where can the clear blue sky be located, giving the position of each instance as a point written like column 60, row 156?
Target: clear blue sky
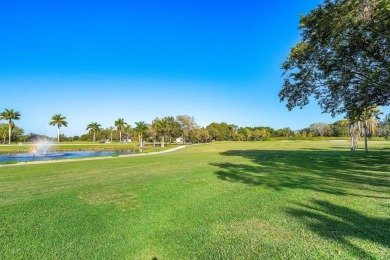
column 101, row 60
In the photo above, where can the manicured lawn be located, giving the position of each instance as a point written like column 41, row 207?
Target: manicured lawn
column 264, row 200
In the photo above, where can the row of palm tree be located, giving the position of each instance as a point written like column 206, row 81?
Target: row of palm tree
column 163, row 127
column 11, row 115
column 94, row 127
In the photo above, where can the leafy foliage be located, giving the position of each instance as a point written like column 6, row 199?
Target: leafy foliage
column 342, row 59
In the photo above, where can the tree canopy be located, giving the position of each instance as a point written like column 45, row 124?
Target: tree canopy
column 343, row 59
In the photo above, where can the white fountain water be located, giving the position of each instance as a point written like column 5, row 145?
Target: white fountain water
column 43, row 147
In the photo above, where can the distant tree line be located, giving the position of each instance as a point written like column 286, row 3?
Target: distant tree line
column 184, row 129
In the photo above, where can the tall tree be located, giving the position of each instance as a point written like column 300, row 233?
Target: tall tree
column 219, row 131
column 120, row 125
column 187, row 123
column 58, row 120
column 174, row 128
column 343, row 59
column 141, row 128
column 319, row 129
column 10, row 114
column 93, row 127
column 340, row 128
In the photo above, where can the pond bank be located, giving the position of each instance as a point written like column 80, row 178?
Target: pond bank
column 92, row 158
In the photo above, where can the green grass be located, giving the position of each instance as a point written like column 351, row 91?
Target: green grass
column 9, row 162
column 73, row 146
column 260, row 200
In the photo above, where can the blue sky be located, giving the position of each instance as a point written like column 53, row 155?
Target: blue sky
column 101, row 60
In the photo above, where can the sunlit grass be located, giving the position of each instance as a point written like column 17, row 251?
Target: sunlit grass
column 262, row 200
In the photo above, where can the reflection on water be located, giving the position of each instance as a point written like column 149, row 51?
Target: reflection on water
column 27, row 157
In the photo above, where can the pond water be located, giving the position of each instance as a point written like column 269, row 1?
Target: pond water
column 28, row 157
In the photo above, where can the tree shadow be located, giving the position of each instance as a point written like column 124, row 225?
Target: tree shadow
column 341, row 223
column 339, row 173
column 312, row 170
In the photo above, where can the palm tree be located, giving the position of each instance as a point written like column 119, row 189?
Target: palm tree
column 111, row 128
column 127, row 131
column 120, row 125
column 365, row 119
column 58, row 120
column 152, row 131
column 4, row 131
column 93, row 127
column 141, row 128
column 10, row 114
column 354, row 129
column 162, row 128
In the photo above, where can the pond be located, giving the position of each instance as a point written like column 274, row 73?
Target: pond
column 28, row 157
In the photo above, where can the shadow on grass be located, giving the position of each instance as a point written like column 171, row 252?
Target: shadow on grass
column 341, row 223
column 340, row 173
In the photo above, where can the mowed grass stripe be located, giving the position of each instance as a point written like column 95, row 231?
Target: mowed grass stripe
column 216, row 201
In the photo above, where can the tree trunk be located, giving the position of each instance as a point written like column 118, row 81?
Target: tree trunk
column 93, row 136
column 365, row 137
column 58, row 135
column 154, row 142
column 111, row 136
column 120, row 136
column 162, row 141
column 9, row 132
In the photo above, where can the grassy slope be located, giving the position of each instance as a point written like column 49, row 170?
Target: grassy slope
column 223, row 200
